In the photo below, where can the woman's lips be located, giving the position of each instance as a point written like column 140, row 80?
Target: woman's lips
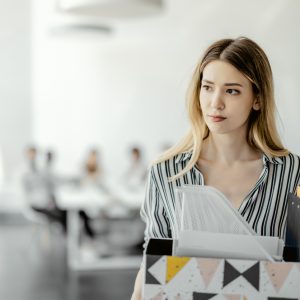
column 216, row 118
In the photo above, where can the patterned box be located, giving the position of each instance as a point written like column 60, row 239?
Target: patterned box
column 191, row 278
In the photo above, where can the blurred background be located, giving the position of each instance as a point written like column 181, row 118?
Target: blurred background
column 91, row 91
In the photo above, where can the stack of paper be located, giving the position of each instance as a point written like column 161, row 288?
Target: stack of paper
column 209, row 226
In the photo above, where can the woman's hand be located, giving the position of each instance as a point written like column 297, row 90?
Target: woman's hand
column 137, row 292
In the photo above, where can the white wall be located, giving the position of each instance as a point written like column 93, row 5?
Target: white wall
column 15, row 114
column 112, row 90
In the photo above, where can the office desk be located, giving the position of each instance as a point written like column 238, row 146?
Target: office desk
column 75, row 199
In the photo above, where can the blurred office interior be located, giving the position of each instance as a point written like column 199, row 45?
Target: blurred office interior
column 96, row 89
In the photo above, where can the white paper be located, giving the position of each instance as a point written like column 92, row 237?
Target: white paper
column 209, row 226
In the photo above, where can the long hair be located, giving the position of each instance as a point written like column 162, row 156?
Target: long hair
column 247, row 57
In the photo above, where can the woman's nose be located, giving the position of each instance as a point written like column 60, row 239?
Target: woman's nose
column 217, row 101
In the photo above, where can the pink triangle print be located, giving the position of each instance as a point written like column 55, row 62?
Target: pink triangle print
column 278, row 273
column 232, row 297
column 207, row 268
column 159, row 296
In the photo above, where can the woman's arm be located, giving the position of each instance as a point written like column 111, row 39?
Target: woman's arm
column 137, row 292
column 153, row 214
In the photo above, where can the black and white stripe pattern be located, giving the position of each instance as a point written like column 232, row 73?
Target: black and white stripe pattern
column 264, row 208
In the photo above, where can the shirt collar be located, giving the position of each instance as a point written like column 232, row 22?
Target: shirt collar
column 272, row 159
column 266, row 158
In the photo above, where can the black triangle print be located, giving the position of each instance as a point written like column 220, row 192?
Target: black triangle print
column 252, row 275
column 230, row 273
column 151, row 260
column 150, row 279
column 202, row 296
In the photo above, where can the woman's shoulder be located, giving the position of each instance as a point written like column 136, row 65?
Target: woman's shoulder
column 293, row 161
column 290, row 158
column 290, row 161
column 293, row 156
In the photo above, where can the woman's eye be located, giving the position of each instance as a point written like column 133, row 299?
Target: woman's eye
column 233, row 92
column 206, row 87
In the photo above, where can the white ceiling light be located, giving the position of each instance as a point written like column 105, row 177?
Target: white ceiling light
column 111, row 8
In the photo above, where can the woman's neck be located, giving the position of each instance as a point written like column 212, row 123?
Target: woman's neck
column 227, row 149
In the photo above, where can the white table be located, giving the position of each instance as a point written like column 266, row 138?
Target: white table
column 73, row 200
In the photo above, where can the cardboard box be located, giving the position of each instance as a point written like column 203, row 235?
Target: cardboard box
column 192, row 278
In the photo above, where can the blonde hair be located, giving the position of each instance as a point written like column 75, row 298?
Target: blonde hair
column 246, row 56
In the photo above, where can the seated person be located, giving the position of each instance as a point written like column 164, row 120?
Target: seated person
column 135, row 176
column 93, row 174
column 39, row 189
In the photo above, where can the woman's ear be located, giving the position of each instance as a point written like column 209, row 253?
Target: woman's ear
column 256, row 104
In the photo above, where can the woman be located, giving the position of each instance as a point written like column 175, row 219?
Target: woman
column 233, row 145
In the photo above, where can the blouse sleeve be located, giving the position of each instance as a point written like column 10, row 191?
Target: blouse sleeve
column 153, row 212
column 296, row 171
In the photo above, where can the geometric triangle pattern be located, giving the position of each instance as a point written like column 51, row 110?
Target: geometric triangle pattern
column 209, row 279
column 202, row 296
column 158, row 270
column 174, row 265
column 150, row 279
column 150, row 261
column 208, row 268
column 251, row 275
column 230, row 273
column 150, row 290
column 159, row 296
column 242, row 265
column 278, row 273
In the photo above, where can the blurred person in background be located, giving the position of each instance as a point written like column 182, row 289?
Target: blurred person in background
column 39, row 188
column 51, row 179
column 93, row 173
column 135, row 175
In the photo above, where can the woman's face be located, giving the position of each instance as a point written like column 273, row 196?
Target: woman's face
column 226, row 98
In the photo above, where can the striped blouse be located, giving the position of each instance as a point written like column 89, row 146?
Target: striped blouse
column 264, row 208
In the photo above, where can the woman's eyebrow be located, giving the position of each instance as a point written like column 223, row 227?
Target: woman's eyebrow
column 233, row 83
column 225, row 84
column 207, row 81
